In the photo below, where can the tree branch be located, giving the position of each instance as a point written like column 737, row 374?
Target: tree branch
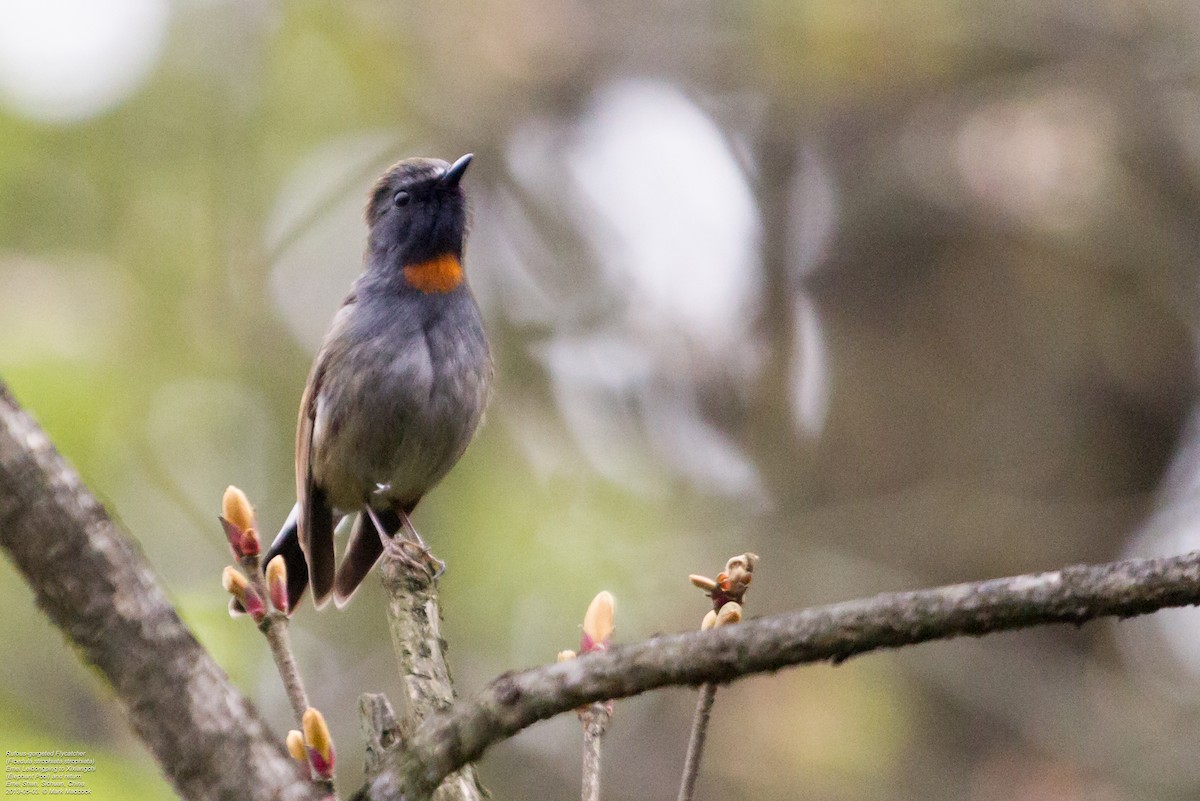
column 415, row 619
column 95, row 585
column 835, row 633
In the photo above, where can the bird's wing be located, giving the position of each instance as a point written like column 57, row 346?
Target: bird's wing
column 315, row 523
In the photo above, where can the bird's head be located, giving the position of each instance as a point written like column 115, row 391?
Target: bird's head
column 417, row 213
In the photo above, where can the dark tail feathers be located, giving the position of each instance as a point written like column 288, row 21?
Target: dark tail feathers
column 287, row 544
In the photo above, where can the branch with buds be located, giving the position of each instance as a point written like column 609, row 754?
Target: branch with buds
column 598, row 627
column 726, row 591
column 265, row 600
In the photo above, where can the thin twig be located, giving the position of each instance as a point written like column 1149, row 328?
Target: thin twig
column 595, row 722
column 727, row 593
column 448, row 740
column 691, row 763
column 275, row 627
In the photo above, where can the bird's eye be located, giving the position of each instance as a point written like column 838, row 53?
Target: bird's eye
column 401, row 198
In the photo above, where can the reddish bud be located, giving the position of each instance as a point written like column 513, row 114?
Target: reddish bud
column 319, row 742
column 254, row 605
column 250, row 543
column 234, row 535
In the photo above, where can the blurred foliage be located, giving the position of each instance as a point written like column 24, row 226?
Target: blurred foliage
column 890, row 294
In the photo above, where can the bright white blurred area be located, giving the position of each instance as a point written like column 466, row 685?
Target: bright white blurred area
column 669, row 212
column 67, row 60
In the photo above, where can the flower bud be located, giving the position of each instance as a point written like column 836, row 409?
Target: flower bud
column 250, row 543
column 239, row 587
column 565, row 656
column 277, row 583
column 236, row 508
column 730, row 613
column 234, row 582
column 598, row 623
column 319, row 742
column 295, row 746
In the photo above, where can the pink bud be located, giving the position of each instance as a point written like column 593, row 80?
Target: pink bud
column 234, row 535
column 254, row 605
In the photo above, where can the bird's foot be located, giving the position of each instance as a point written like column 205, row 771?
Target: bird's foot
column 416, row 556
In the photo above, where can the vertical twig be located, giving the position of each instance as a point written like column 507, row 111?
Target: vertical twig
column 275, row 627
column 726, row 592
column 691, row 763
column 265, row 599
column 595, row 722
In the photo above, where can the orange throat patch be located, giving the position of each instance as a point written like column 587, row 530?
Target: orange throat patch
column 440, row 274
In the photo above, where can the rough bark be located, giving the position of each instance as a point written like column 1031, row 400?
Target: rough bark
column 415, row 619
column 95, row 584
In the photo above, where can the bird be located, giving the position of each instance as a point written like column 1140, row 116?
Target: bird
column 398, row 386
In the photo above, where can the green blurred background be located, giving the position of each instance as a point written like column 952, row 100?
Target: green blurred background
column 892, row 294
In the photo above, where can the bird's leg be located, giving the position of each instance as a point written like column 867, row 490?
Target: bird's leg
column 406, row 537
column 395, row 541
column 384, row 535
column 431, row 560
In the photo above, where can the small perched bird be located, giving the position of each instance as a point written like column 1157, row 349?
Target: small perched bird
column 397, row 388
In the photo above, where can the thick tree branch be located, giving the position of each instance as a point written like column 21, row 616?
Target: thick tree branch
column 94, row 583
column 1077, row 594
column 415, row 620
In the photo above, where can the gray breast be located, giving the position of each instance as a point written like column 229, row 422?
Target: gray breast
column 419, row 386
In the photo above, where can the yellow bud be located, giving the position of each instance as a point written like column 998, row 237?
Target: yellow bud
column 277, row 583
column 316, row 734
column 565, row 656
column 236, row 508
column 234, row 582
column 730, row 613
column 710, row 620
column 295, row 746
column 598, row 622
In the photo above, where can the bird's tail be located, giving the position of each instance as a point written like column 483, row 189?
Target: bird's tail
column 362, row 552
column 287, row 544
